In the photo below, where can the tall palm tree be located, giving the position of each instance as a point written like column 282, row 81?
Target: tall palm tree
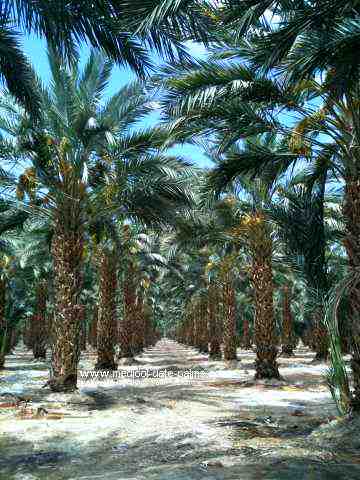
column 255, row 228
column 81, row 153
column 252, row 231
column 303, row 230
column 307, row 42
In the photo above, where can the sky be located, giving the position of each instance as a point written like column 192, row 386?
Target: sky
column 35, row 49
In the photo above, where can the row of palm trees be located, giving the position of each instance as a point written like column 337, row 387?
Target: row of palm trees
column 87, row 171
column 275, row 106
column 278, row 102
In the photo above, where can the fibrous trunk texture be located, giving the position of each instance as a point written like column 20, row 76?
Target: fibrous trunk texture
column 287, row 324
column 148, row 333
column 93, row 328
column 319, row 336
column 213, row 323
column 127, row 324
column 83, row 333
column 201, row 325
column 351, row 211
column 67, row 251
column 229, row 316
column 139, row 330
column 3, row 324
column 262, row 281
column 246, row 338
column 107, row 319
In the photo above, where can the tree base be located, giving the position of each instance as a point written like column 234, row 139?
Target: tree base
column 63, row 384
column 266, row 369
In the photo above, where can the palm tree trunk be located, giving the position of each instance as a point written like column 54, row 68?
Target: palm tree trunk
column 213, row 323
column 229, row 319
column 127, row 324
column 200, row 325
column 287, row 325
column 319, row 336
column 83, row 333
column 190, row 334
column 93, row 328
column 27, row 333
column 107, row 324
column 246, row 337
column 351, row 211
column 197, row 325
column 266, row 351
column 203, row 345
column 140, row 325
column 39, row 322
column 67, row 252
column 3, row 324
column 148, row 333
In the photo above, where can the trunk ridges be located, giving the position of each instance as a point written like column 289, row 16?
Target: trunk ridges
column 67, row 252
column 213, row 323
column 351, row 211
column 287, row 324
column 106, row 322
column 3, row 324
column 83, row 332
column 93, row 328
column 201, row 325
column 148, row 327
column 139, row 328
column 246, row 337
column 229, row 319
column 320, row 338
column 262, row 280
column 265, row 341
column 126, row 331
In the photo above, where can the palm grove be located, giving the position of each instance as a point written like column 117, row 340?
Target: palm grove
column 109, row 239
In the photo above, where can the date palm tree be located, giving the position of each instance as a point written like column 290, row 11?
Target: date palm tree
column 287, row 323
column 252, row 231
column 308, row 42
column 301, row 219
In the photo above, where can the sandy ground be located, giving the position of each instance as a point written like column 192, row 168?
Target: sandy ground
column 189, row 419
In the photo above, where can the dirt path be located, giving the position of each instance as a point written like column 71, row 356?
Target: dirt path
column 217, row 424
